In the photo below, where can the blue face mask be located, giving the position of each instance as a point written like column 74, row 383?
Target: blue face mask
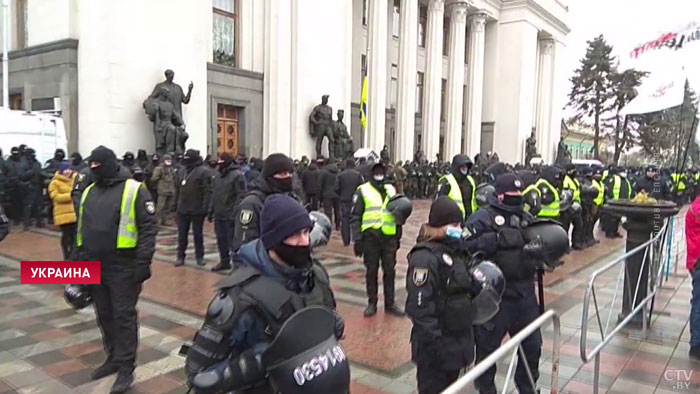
column 453, row 232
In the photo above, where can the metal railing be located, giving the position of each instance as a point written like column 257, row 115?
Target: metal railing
column 514, row 347
column 657, row 252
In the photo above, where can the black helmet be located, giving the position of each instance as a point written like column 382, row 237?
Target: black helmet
column 555, row 240
column 400, row 207
column 321, row 231
column 77, row 296
column 492, row 282
column 305, row 356
column 482, row 194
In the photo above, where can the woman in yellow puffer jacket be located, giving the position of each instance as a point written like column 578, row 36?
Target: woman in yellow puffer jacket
column 63, row 209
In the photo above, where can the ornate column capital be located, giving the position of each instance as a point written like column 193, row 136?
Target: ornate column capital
column 547, row 45
column 478, row 21
column 436, row 5
column 458, row 10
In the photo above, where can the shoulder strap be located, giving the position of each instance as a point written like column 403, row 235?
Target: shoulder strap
column 237, row 277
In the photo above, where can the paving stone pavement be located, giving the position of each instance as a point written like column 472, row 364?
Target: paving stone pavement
column 45, row 347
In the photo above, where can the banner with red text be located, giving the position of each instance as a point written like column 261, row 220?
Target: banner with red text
column 60, row 272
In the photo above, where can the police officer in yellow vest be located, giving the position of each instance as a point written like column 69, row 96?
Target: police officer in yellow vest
column 678, row 179
column 116, row 226
column 573, row 215
column 459, row 186
column 376, row 237
column 616, row 188
column 592, row 197
column 542, row 199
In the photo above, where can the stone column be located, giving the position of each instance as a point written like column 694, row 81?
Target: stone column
column 408, row 52
column 455, row 79
column 433, row 80
column 544, row 101
column 376, row 74
column 475, row 84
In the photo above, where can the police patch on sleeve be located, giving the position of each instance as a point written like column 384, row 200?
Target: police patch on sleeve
column 447, row 259
column 354, row 198
column 150, row 207
column 420, row 276
column 500, row 220
column 246, row 216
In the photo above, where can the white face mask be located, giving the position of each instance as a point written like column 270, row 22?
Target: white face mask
column 464, row 170
column 379, row 178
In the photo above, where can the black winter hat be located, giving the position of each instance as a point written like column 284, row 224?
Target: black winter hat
column 281, row 217
column 102, row 155
column 508, row 182
column 276, row 163
column 444, row 211
column 226, row 159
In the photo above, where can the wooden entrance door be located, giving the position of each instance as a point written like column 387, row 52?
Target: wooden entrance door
column 227, row 129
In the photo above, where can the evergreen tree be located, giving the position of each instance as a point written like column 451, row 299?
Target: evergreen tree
column 591, row 86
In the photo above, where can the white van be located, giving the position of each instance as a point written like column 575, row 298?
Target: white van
column 42, row 132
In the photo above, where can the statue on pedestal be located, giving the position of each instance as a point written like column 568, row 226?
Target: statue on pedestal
column 164, row 108
column 563, row 154
column 530, row 148
column 321, row 125
column 343, row 146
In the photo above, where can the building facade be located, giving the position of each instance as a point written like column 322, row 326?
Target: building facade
column 443, row 76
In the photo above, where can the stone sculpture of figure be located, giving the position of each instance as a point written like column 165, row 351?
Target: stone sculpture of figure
column 563, row 154
column 530, row 148
column 343, row 142
column 177, row 96
column 321, row 125
column 168, row 124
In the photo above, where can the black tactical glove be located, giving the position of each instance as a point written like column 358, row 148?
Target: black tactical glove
column 142, row 272
column 358, row 248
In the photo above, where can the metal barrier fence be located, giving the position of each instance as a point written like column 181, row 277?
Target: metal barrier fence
column 657, row 254
column 514, row 347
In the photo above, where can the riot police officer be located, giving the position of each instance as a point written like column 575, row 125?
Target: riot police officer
column 125, row 248
column 573, row 215
column 542, row 198
column 459, row 186
column 651, row 184
column 277, row 276
column 275, row 178
column 441, row 298
column 33, row 180
column 376, row 237
column 518, row 260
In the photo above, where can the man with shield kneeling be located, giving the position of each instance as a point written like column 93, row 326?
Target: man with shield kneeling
column 272, row 326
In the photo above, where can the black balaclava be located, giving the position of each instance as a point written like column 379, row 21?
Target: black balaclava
column 458, row 162
column 15, row 154
column 108, row 167
column 224, row 162
column 155, row 159
column 59, row 155
column 190, row 158
column 76, row 159
column 274, row 164
column 128, row 159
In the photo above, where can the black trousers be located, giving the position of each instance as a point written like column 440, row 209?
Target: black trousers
column 331, row 205
column 33, row 206
column 610, row 225
column 312, row 199
column 345, row 233
column 115, row 304
column 68, row 232
column 183, row 229
column 514, row 315
column 379, row 248
column 432, row 380
column 224, row 239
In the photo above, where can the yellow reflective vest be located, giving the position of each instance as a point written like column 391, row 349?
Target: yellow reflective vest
column 455, row 193
column 127, row 234
column 600, row 198
column 678, row 181
column 375, row 215
column 550, row 210
column 573, row 185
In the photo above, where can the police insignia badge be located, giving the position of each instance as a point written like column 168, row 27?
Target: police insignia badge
column 420, row 276
column 150, row 207
column 246, row 216
column 81, row 177
column 500, row 220
column 447, row 259
column 517, row 183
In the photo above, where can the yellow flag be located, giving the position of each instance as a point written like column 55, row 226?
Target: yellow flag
column 363, row 104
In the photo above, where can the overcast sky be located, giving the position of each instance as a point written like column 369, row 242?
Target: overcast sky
column 625, row 24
